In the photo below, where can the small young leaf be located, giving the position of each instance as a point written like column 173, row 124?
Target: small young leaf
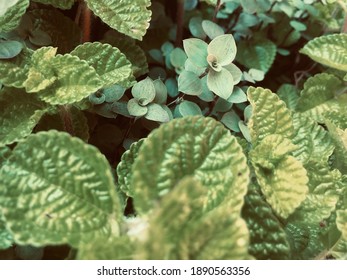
column 144, row 91
column 178, row 58
column 223, row 48
column 195, row 27
column 10, row 49
column 297, row 25
column 135, row 109
column 172, row 87
column 157, row 113
column 113, row 93
column 212, row 29
column 189, row 83
column 196, row 51
column 329, row 50
column 97, row 98
column 69, row 199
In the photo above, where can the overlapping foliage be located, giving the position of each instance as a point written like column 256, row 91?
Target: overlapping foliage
column 162, row 140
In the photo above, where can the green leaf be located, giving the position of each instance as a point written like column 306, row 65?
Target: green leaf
column 130, row 49
column 221, row 83
column 14, row 71
column 195, row 27
column 272, row 164
column 61, row 4
column 321, row 95
column 329, row 50
column 238, row 96
column 11, row 18
column 289, row 94
column 196, row 50
column 196, row 146
column 69, row 199
column 124, row 168
column 4, row 6
column 235, row 72
column 268, row 240
column 231, row 121
column 178, row 58
column 160, row 92
column 223, row 48
column 113, row 93
column 6, row 239
column 211, row 29
column 188, row 108
column 41, row 75
column 135, row 109
column 189, row 83
column 339, row 251
column 258, row 54
column 110, row 64
column 313, row 142
column 297, row 25
column 270, row 115
column 10, row 49
column 19, row 114
column 157, row 113
column 130, row 18
column 46, row 21
column 75, row 80
column 40, row 38
column 339, row 137
column 144, row 91
column 225, row 235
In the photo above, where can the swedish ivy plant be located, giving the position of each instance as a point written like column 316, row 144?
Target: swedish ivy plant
column 152, row 129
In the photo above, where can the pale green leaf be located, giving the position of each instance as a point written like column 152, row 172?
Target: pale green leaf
column 235, row 72
column 69, row 199
column 124, row 173
column 330, row 50
column 238, row 96
column 144, row 91
column 14, row 71
column 231, row 121
column 188, row 108
column 160, row 92
column 10, row 49
column 272, row 164
column 157, row 113
column 196, row 146
column 61, row 4
column 297, row 25
column 196, row 50
column 110, row 64
column 113, row 93
column 270, row 115
column 65, row 36
column 11, row 18
column 135, row 109
column 19, row 114
column 338, row 118
column 221, row 83
column 41, row 75
column 245, row 130
column 178, row 224
column 178, row 57
column 312, row 141
column 5, row 5
column 195, row 27
column 321, row 95
column 223, row 48
column 128, row 17
column 258, row 54
column 189, row 83
column 211, row 29
column 132, row 51
column 339, row 251
column 268, row 240
column 75, row 80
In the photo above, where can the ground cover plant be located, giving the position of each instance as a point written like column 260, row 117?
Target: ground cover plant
column 151, row 129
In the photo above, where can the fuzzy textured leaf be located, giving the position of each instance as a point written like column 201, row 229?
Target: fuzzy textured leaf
column 339, row 137
column 196, row 146
column 282, row 178
column 128, row 17
column 19, row 114
column 69, row 199
column 269, row 115
column 110, row 64
column 75, row 81
column 330, row 50
column 10, row 20
column 321, row 95
column 268, row 240
column 6, row 239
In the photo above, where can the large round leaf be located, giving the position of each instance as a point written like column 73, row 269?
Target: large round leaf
column 56, row 189
column 196, row 146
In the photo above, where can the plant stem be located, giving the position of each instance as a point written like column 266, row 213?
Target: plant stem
column 179, row 22
column 216, row 10
column 66, row 117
